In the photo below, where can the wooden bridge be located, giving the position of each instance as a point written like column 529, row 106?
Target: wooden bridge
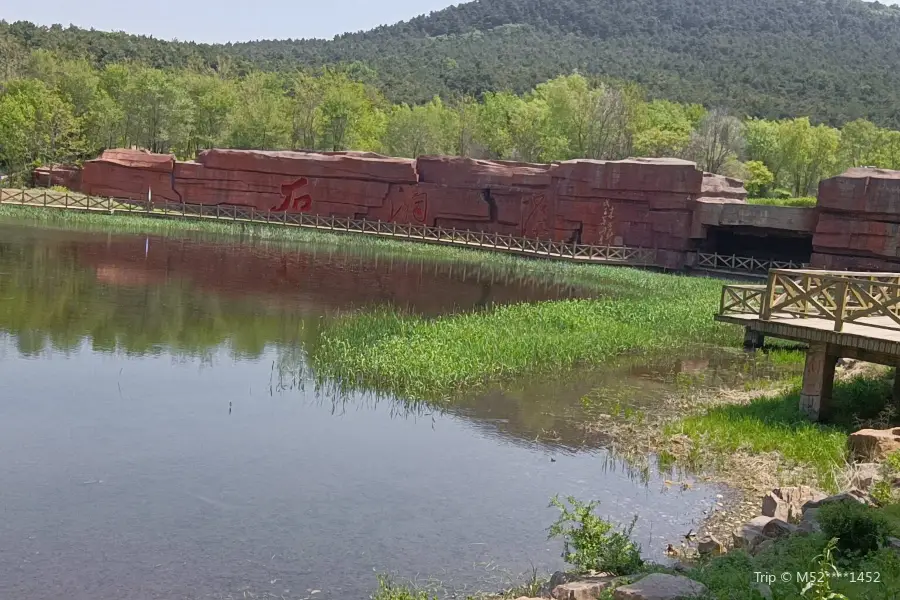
column 584, row 253
column 838, row 313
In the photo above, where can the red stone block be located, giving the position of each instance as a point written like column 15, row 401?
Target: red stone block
column 307, row 164
column 461, row 172
column 662, row 175
column 104, row 178
column 139, row 159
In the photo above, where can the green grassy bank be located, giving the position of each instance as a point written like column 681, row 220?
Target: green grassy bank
column 636, row 311
column 805, row 201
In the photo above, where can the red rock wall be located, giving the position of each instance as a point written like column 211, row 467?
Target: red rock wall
column 638, row 202
column 63, row 175
column 858, row 224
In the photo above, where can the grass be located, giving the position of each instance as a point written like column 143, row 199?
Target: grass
column 805, row 201
column 418, row 358
column 774, row 423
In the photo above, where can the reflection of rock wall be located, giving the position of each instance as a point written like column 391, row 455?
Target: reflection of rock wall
column 637, row 202
column 311, row 282
column 859, row 221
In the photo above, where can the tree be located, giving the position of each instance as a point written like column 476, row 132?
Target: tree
column 260, row 118
column 860, row 143
column 664, row 129
column 350, row 117
column 719, row 137
column 759, row 179
column 810, row 153
column 421, row 130
column 305, row 98
column 36, row 127
column 212, row 102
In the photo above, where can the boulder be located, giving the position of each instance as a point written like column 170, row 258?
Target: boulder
column 852, row 495
column 589, row 177
column 763, row 590
column 720, row 186
column 66, row 176
column 763, row 546
column 584, row 589
column 709, row 545
column 787, row 503
column 874, row 444
column 139, row 159
column 810, row 523
column 865, row 475
column 776, row 528
column 749, row 535
column 659, row 586
column 309, row 164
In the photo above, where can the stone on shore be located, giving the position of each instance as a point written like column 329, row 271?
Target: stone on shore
column 750, row 535
column 852, row 495
column 865, row 475
column 874, row 444
column 659, row 586
column 787, row 503
column 587, row 588
column 776, row 528
column 709, row 545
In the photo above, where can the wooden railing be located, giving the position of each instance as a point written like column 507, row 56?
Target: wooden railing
column 742, row 264
column 870, row 299
column 440, row 235
column 742, row 299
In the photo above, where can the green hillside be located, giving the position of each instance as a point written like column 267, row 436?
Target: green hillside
column 834, row 60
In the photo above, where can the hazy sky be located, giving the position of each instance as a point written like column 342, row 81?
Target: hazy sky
column 221, row 20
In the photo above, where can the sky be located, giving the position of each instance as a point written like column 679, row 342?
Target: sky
column 221, row 20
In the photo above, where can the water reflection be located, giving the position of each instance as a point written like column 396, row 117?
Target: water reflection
column 161, row 439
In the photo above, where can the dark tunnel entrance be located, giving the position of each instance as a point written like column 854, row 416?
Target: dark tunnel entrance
column 755, row 242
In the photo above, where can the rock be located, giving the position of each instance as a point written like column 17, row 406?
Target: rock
column 787, row 503
column 894, row 544
column 749, row 535
column 710, row 545
column 764, row 591
column 865, row 475
column 874, row 444
column 776, row 528
column 810, row 523
column 659, row 586
column 720, row 186
column 558, row 578
column 67, row 176
column 583, row 589
column 763, row 546
column 852, row 495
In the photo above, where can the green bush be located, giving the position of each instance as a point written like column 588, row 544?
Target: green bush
column 591, row 543
column 388, row 589
column 860, row 529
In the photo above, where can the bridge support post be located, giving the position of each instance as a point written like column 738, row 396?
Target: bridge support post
column 818, row 380
column 753, row 339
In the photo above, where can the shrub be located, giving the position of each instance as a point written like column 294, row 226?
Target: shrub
column 390, row 590
column 859, row 529
column 819, row 588
column 591, row 543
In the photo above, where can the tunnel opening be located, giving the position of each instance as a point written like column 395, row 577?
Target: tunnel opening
column 759, row 243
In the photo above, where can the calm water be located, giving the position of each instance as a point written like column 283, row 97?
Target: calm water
column 151, row 450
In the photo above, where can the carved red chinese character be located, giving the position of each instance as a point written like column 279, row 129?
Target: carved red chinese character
column 300, row 203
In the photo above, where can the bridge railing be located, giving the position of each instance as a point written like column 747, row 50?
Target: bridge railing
column 742, row 264
column 864, row 298
column 232, row 213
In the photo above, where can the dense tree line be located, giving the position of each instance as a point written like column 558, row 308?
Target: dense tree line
column 57, row 110
column 834, row 60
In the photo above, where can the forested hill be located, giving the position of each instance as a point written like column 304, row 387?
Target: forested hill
column 834, row 60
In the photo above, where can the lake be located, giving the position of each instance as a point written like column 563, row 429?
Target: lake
column 161, row 438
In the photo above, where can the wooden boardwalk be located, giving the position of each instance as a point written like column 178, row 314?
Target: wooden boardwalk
column 582, row 253
column 838, row 313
